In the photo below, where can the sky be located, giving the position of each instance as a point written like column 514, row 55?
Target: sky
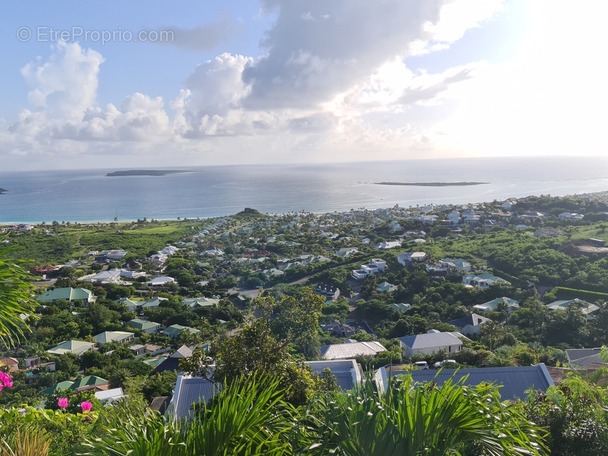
column 153, row 83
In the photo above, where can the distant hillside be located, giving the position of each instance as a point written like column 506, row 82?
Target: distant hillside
column 2, row 190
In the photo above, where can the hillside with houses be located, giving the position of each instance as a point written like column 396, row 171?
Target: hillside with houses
column 173, row 312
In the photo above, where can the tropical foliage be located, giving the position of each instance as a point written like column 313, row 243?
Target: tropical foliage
column 15, row 302
column 252, row 417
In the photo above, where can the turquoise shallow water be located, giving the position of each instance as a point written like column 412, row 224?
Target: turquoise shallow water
column 89, row 195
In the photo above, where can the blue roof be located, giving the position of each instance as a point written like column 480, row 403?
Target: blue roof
column 514, row 381
column 346, row 371
column 190, row 391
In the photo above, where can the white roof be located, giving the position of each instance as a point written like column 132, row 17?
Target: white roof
column 351, row 350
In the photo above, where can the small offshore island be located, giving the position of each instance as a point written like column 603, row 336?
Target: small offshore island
column 2, row 190
column 145, row 172
column 432, row 184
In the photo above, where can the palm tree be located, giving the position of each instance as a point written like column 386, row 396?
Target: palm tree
column 412, row 419
column 249, row 417
column 15, row 302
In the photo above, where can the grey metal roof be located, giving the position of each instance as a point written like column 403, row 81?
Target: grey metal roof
column 351, row 350
column 432, row 340
column 514, row 381
column 585, row 357
column 473, row 320
column 190, row 391
column 346, row 371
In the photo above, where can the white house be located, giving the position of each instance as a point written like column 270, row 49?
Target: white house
column 484, row 280
column 160, row 281
column 430, row 343
column 492, row 305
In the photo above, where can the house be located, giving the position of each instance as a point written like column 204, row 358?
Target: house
column 110, row 395
column 151, row 303
column 160, row 281
column 495, row 304
column 456, row 264
column 585, row 358
column 78, row 295
column 514, row 382
column 386, row 287
column 10, row 364
column 103, row 277
column 174, row 331
column 146, row 349
column 144, row 325
column 587, row 308
column 32, row 362
column 111, row 255
column 330, row 292
column 188, row 392
column 378, row 263
column 351, row 350
column 77, row 347
column 160, row 403
column 172, row 362
column 484, row 280
column 47, row 271
column 107, row 337
column 401, row 307
column 359, row 274
column 470, row 325
column 337, row 329
column 430, row 343
column 571, row 216
column 195, row 303
column 130, row 305
column 61, row 386
column 409, row 258
column 346, row 371
column 388, row 245
column 90, row 382
column 346, row 252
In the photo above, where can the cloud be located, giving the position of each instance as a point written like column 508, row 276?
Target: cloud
column 66, row 84
column 202, row 38
column 318, row 49
column 331, row 83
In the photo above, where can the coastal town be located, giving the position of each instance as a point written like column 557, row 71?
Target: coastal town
column 488, row 292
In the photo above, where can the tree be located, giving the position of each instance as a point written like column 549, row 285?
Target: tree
column 15, row 301
column 296, row 319
column 256, row 350
column 575, row 415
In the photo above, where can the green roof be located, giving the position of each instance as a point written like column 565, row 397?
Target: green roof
column 140, row 324
column 176, row 330
column 78, row 347
column 64, row 385
column 89, row 380
column 67, row 294
column 153, row 362
column 112, row 336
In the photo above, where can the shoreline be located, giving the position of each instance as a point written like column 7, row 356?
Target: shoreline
column 599, row 196
column 432, row 184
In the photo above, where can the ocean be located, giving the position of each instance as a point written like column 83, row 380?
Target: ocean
column 90, row 195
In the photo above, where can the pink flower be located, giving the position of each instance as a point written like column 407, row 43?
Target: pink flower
column 5, row 380
column 86, row 406
column 62, row 402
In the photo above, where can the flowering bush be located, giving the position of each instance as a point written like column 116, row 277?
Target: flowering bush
column 5, row 381
column 86, row 406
